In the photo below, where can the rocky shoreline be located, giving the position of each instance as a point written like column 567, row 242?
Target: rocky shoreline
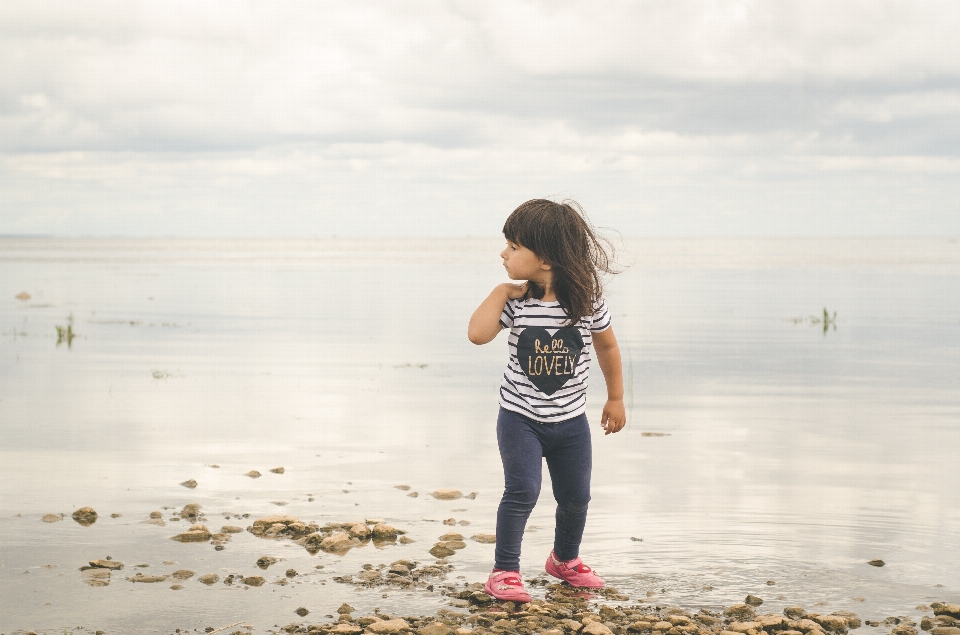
column 468, row 610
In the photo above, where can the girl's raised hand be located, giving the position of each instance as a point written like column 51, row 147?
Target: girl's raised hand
column 614, row 416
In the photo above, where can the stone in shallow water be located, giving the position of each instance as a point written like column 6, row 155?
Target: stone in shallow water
column 278, row 470
column 182, row 574
column 190, row 484
column 254, row 580
column 253, row 474
column 85, row 516
column 302, row 611
column 265, row 561
column 190, row 510
column 113, row 565
column 876, row 563
column 52, row 518
column 148, row 578
column 451, row 536
column 488, row 539
column 193, row 536
column 753, row 600
column 440, row 551
column 209, row 578
column 447, row 494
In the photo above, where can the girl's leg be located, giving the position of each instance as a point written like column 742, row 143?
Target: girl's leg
column 570, row 461
column 522, row 454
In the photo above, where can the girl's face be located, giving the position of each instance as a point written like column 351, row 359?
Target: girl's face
column 523, row 264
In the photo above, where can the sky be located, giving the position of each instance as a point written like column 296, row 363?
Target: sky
column 434, row 119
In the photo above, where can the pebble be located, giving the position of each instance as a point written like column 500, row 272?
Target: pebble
column 147, row 578
column 231, row 529
column 402, row 487
column 85, row 516
column 190, row 510
column 876, row 563
column 384, row 530
column 487, row 539
column 182, row 574
column 451, row 536
column 209, row 578
column 345, row 609
column 23, row 295
column 194, row 535
column 254, row 580
column 265, row 561
column 447, row 494
column 278, row 470
column 52, row 518
column 389, row 626
column 302, row 611
column 753, row 600
column 191, row 484
column 253, row 474
column 113, row 565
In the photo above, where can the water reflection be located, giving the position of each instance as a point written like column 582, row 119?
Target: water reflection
column 758, row 450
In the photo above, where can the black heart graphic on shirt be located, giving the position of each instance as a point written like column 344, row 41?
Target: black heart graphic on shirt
column 549, row 361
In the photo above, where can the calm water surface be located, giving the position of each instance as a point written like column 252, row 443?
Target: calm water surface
column 760, row 447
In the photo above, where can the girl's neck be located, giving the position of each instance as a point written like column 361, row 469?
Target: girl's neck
column 546, row 285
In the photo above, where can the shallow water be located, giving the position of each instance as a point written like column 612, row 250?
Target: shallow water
column 789, row 453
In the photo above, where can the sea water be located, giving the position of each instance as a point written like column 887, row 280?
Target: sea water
column 768, row 450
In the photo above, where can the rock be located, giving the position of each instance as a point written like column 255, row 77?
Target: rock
column 945, row 630
column 360, row 531
column 231, row 529
column 176, row 587
column 406, row 540
column 52, row 518
column 253, row 474
column 193, row 536
column 190, row 484
column 471, row 495
column 876, row 563
column 794, row 612
column 278, row 470
column 452, row 544
column 413, row 494
column 383, row 531
column 487, row 539
column 190, row 510
column 596, row 628
column 439, row 551
column 265, row 561
column 640, row 626
column 389, row 626
column 346, row 629
column 402, row 487
column 148, row 578
column 450, row 521
column 853, row 620
column 156, row 515
column 753, row 600
column 115, row 515
column 345, row 609
column 337, row 542
column 113, row 565
column 740, row 612
column 85, row 516
column 771, row 622
column 435, row 628
column 254, row 580
column 744, row 627
column 209, row 578
column 926, row 623
column 302, row 611
column 953, row 610
column 451, row 536
column 275, row 519
column 833, row 623
column 182, row 574
column 447, row 494
column 23, row 295
column 291, row 573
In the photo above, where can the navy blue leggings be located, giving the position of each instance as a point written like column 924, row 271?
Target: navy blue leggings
column 523, row 443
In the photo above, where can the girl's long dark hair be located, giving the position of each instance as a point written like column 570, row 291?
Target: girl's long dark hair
column 561, row 234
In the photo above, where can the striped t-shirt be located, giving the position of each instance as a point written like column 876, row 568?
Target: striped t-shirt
column 546, row 376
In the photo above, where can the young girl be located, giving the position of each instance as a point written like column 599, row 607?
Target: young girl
column 557, row 319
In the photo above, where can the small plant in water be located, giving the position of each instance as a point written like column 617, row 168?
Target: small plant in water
column 66, row 334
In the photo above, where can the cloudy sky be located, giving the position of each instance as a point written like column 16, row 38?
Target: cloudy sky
column 438, row 118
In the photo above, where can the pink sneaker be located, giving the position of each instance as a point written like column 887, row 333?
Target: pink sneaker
column 574, row 572
column 506, row 586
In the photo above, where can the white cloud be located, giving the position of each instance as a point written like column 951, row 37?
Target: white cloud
column 206, row 113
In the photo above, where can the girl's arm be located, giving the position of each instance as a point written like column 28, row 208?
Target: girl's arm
column 485, row 321
column 614, row 415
